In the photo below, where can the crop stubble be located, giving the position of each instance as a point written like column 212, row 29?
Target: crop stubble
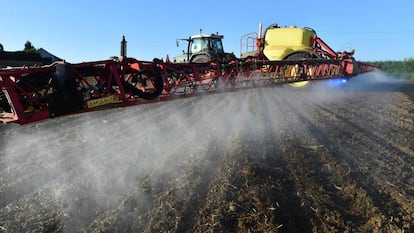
column 258, row 160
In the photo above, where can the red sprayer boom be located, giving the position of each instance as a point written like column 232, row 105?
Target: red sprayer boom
column 281, row 55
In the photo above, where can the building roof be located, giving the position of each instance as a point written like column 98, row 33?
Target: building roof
column 46, row 55
column 21, row 58
column 19, row 55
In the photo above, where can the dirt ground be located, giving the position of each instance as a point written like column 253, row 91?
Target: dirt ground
column 316, row 159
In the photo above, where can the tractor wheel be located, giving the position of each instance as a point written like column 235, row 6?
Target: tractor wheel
column 146, row 84
column 298, row 56
column 200, row 58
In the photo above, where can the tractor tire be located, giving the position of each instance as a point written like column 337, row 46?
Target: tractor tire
column 298, row 56
column 200, row 58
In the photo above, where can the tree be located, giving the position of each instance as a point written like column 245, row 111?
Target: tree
column 28, row 47
column 402, row 69
column 1, row 47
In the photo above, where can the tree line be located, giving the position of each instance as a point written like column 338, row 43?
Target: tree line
column 400, row 69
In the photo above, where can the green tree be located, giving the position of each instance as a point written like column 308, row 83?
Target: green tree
column 29, row 48
column 401, row 69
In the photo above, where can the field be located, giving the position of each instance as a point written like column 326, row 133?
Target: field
column 322, row 158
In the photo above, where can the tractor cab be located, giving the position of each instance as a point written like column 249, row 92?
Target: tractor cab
column 204, row 48
column 211, row 42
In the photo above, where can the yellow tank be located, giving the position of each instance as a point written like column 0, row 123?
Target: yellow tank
column 280, row 42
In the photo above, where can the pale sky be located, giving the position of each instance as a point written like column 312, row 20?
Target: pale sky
column 91, row 30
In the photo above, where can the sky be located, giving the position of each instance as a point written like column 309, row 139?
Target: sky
column 91, row 30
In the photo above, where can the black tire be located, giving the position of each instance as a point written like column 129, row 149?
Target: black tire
column 200, row 58
column 298, row 56
column 156, row 80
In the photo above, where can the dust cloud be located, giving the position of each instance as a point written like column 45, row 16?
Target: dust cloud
column 81, row 165
column 78, row 167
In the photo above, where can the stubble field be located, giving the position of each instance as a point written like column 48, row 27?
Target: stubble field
column 319, row 159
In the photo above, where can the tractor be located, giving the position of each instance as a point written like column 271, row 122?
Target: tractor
column 204, row 48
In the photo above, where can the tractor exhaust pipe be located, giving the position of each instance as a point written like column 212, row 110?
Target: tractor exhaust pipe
column 259, row 36
column 123, row 47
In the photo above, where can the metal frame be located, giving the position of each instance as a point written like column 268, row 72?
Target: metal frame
column 31, row 90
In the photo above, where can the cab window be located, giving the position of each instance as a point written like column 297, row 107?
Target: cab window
column 217, row 45
column 199, row 44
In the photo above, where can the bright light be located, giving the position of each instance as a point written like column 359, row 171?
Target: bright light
column 337, row 82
